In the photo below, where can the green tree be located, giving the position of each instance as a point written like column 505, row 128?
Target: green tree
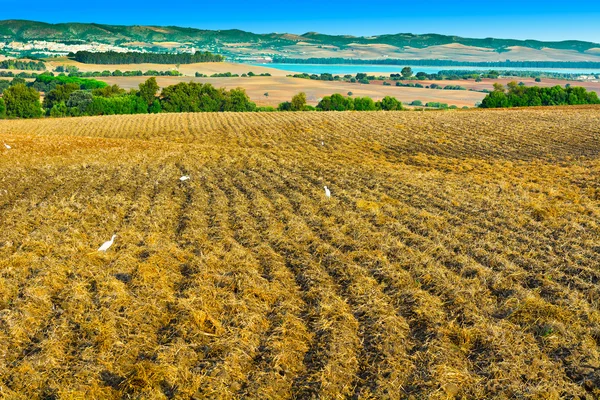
column 148, row 90
column 389, row 103
column 22, row 102
column 155, row 107
column 407, row 72
column 336, row 102
column 109, row 91
column 299, row 102
column 192, row 97
column 59, row 110
column 79, row 101
column 4, row 85
column 18, row 81
column 512, row 86
column 60, row 94
column 2, row 108
column 285, row 106
column 522, row 96
column 238, row 100
column 364, row 104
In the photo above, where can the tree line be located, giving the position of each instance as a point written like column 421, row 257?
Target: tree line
column 111, row 57
column 73, row 96
column 515, row 95
column 23, row 65
column 337, row 102
column 73, row 70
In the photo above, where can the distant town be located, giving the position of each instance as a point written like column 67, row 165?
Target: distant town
column 48, row 49
column 42, row 48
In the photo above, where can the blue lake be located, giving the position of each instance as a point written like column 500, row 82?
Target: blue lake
column 388, row 69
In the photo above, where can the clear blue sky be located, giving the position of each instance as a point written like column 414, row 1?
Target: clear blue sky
column 548, row 20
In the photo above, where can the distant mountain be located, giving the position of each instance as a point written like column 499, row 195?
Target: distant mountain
column 239, row 43
column 117, row 34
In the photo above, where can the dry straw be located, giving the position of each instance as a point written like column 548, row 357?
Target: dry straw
column 456, row 258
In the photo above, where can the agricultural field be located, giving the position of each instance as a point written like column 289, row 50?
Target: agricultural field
column 457, row 256
column 281, row 88
column 207, row 68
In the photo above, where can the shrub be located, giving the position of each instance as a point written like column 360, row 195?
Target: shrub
column 265, row 109
column 336, row 102
column 364, row 104
column 389, row 103
column 299, row 102
column 285, row 106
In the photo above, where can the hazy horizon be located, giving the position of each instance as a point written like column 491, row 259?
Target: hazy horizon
column 551, row 21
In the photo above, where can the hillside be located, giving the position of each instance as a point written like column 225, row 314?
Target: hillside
column 237, row 43
column 456, row 258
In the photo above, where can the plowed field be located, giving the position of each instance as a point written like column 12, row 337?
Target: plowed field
column 458, row 256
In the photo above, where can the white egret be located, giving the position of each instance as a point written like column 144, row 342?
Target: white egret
column 107, row 245
column 184, row 178
column 322, row 143
column 327, row 192
column 7, row 146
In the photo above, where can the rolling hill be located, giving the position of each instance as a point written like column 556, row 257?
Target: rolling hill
column 238, row 43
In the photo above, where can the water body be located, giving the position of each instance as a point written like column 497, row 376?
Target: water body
column 389, row 69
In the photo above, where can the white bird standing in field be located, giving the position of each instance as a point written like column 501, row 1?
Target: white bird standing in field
column 7, row 146
column 107, row 245
column 327, row 192
column 184, row 178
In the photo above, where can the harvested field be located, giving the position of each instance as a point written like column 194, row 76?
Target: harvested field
column 282, row 89
column 458, row 256
column 186, row 69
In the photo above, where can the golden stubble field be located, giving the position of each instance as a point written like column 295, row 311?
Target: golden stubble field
column 458, row 256
column 207, row 68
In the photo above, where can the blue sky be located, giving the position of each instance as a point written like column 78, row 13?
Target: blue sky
column 549, row 20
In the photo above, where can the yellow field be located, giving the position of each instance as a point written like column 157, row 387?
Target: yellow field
column 282, row 89
column 185, row 69
column 458, row 256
